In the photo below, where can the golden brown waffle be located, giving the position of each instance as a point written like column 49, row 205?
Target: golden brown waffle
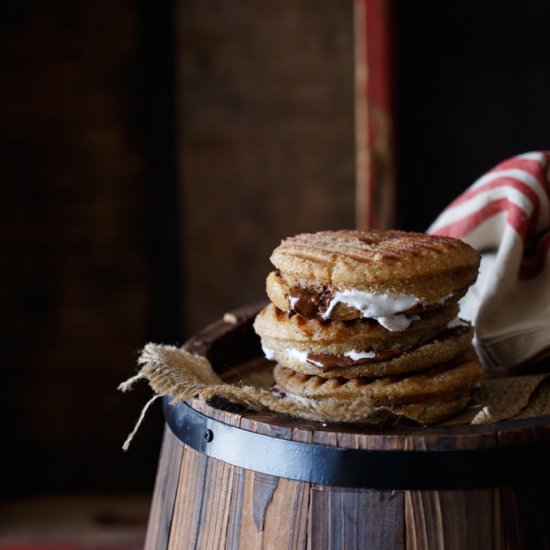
column 445, row 382
column 279, row 290
column 441, row 350
column 279, row 331
column 425, row 266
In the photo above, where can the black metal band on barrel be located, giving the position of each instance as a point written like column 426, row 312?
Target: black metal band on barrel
column 375, row 469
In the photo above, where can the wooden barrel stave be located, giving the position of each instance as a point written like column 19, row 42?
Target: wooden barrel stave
column 203, row 503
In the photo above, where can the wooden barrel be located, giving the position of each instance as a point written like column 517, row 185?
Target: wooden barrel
column 238, row 479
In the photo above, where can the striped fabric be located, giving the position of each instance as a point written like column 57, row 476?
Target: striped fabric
column 505, row 214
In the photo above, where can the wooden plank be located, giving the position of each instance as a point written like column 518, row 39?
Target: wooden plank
column 374, row 113
column 216, row 506
column 286, row 518
column 189, row 501
column 526, row 510
column 233, row 536
column 250, row 536
column 259, row 496
column 355, row 518
column 265, row 103
column 437, row 518
column 204, row 514
column 275, row 510
column 166, row 485
column 284, row 513
column 526, row 516
column 348, row 518
column 260, row 508
column 236, row 508
column 453, row 520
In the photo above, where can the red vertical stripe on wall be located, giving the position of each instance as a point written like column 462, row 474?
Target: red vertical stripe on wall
column 374, row 88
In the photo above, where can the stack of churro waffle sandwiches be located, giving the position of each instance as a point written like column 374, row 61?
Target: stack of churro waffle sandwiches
column 374, row 314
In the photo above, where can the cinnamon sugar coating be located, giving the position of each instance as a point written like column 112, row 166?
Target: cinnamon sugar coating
column 428, row 267
column 371, row 315
column 425, row 356
column 278, row 330
column 444, row 382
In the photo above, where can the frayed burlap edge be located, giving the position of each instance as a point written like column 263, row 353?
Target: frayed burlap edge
column 512, row 397
column 177, row 373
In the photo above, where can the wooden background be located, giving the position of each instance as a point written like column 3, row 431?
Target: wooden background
column 265, row 141
column 152, row 156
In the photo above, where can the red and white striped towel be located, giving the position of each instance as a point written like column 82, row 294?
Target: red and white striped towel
column 505, row 215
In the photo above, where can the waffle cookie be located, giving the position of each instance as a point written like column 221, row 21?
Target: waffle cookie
column 447, row 381
column 384, row 275
column 447, row 346
column 279, row 331
column 373, row 314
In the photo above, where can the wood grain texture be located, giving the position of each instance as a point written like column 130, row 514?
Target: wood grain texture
column 350, row 518
column 202, row 517
column 374, row 113
column 286, row 503
column 236, row 510
column 254, row 511
column 222, row 506
column 266, row 138
column 453, row 519
column 355, row 518
column 526, row 516
column 166, row 485
column 214, row 517
column 526, row 510
column 188, row 509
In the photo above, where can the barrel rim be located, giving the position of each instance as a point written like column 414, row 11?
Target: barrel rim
column 427, row 469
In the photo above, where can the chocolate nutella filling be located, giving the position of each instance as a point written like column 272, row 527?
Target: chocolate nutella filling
column 328, row 362
column 312, row 303
column 309, row 304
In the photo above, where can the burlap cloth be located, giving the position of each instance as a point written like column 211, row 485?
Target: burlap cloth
column 177, row 373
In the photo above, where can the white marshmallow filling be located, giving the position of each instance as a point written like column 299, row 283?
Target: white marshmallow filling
column 386, row 309
column 302, row 356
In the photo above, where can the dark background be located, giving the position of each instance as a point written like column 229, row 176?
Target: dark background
column 151, row 156
column 472, row 91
